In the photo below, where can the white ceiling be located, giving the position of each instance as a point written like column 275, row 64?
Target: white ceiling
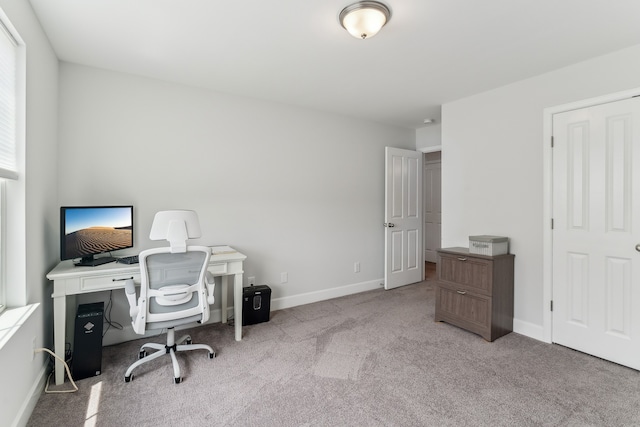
column 295, row 51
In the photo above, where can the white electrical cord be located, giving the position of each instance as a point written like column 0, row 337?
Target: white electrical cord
column 66, row 367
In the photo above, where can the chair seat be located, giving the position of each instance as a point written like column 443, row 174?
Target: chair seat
column 173, row 323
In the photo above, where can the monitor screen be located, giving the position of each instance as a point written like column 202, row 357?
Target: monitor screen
column 86, row 231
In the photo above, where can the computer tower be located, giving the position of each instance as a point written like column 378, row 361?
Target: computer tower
column 256, row 304
column 87, row 343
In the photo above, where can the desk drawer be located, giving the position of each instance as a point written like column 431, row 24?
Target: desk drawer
column 220, row 268
column 93, row 284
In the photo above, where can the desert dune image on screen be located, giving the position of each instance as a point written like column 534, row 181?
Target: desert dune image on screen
column 92, row 231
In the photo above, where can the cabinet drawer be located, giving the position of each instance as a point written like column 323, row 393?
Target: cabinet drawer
column 465, row 309
column 466, row 272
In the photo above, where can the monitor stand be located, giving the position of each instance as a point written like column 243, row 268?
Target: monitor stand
column 90, row 261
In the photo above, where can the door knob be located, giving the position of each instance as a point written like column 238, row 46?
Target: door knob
column 388, row 224
column 638, row 247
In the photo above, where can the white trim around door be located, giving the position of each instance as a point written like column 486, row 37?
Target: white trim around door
column 431, row 149
column 547, row 206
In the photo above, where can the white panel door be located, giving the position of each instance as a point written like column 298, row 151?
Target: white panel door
column 403, row 218
column 596, row 211
column 432, row 206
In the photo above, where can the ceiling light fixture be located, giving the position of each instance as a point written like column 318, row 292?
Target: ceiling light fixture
column 364, row 19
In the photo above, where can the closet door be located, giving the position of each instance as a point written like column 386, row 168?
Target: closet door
column 596, row 235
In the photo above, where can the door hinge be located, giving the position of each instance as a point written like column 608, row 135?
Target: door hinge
column 551, row 305
column 551, row 141
column 552, row 223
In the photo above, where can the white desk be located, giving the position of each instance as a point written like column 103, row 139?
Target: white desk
column 71, row 280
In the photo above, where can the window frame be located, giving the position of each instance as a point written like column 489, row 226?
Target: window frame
column 3, row 245
column 12, row 186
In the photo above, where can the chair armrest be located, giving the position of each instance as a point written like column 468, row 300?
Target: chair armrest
column 137, row 309
column 130, row 292
column 210, row 281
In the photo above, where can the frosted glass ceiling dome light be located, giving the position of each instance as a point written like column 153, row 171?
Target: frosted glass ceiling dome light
column 365, row 18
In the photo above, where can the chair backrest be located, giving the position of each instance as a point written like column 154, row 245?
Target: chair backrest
column 176, row 227
column 172, row 279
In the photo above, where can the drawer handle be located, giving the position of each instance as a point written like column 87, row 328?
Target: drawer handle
column 462, row 292
column 462, row 258
column 118, row 280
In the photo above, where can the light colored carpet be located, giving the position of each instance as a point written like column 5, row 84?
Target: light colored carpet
column 371, row 359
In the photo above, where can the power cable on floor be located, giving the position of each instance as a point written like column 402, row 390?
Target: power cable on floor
column 66, row 367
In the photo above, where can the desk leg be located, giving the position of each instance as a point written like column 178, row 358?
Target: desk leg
column 225, row 297
column 237, row 305
column 59, row 332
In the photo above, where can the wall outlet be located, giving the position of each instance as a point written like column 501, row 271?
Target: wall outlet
column 251, row 280
column 356, row 267
column 284, row 277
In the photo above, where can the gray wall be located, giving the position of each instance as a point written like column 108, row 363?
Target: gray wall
column 492, row 170
column 429, row 137
column 297, row 191
column 33, row 222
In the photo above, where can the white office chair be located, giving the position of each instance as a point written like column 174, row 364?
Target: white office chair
column 175, row 288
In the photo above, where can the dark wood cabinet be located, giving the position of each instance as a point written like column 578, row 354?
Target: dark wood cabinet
column 475, row 292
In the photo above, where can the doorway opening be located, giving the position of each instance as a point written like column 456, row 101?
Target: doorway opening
column 432, row 208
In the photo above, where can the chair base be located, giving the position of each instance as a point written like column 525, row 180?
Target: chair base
column 170, row 348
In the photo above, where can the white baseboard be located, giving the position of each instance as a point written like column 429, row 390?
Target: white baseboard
column 32, row 397
column 325, row 294
column 528, row 329
column 116, row 336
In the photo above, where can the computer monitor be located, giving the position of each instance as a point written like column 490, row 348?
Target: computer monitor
column 86, row 231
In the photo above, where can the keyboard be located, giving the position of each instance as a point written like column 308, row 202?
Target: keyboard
column 133, row 259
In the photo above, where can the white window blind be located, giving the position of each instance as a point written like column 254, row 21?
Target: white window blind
column 8, row 60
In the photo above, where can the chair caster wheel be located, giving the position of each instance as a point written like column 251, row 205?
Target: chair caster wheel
column 128, row 379
column 177, row 380
column 142, row 354
column 188, row 341
column 212, row 355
